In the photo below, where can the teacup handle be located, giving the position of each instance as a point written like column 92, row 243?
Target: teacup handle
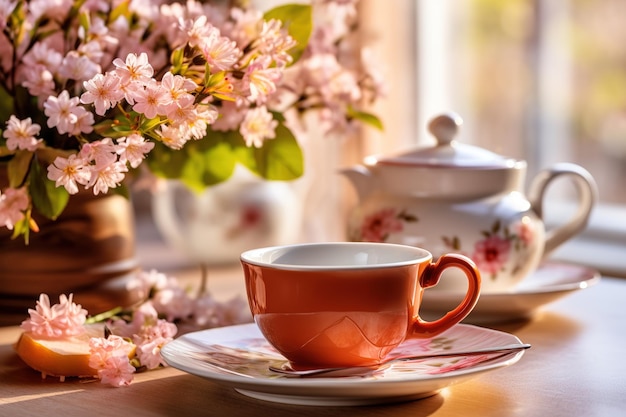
column 587, row 198
column 430, row 277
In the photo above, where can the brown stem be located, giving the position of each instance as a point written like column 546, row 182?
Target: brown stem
column 204, row 278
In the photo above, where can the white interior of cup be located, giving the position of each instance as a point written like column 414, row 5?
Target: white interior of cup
column 336, row 255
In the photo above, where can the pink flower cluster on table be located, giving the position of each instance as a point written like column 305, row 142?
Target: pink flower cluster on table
column 56, row 321
column 141, row 329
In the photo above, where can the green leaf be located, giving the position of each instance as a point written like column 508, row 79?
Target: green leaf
column 210, row 161
column 18, row 168
column 177, row 60
column 48, row 199
column 21, row 228
column 165, row 162
column 122, row 10
column 279, row 159
column 148, row 125
column 367, row 118
column 199, row 164
column 297, row 19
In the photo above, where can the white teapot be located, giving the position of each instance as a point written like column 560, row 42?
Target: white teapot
column 464, row 199
column 218, row 224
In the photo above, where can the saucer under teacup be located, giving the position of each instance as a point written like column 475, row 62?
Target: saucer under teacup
column 240, row 357
column 549, row 282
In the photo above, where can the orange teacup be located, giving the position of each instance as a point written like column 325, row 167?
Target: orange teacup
column 347, row 303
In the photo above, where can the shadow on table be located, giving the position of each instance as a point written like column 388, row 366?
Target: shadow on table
column 559, row 325
column 181, row 395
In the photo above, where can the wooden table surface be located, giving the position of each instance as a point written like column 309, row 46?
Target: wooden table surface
column 576, row 367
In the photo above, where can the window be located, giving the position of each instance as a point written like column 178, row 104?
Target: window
column 543, row 81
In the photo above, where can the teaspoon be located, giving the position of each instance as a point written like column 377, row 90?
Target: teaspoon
column 286, row 368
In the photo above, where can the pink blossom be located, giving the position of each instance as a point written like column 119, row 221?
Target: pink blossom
column 144, row 281
column 143, row 315
column 220, row 52
column 6, row 8
column 133, row 149
column 117, row 372
column 150, row 340
column 135, row 68
column 39, row 81
column 177, row 90
column 172, row 301
column 181, row 112
column 246, row 27
column 334, row 17
column 41, row 55
column 208, row 312
column 332, row 80
column 56, row 321
column 194, row 127
column 148, row 332
column 258, row 125
column 206, row 114
column 230, row 118
column 84, row 121
column 69, row 172
column 103, row 152
column 275, row 42
column 198, row 30
column 106, row 176
column 377, row 226
column 78, row 67
column 54, row 10
column 109, row 357
column 12, row 204
column 261, row 79
column 150, row 100
column 98, row 33
column 61, row 112
column 103, row 91
column 21, row 134
column 92, row 49
column 491, row 253
column 172, row 137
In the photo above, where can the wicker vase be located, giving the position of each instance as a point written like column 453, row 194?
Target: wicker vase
column 88, row 251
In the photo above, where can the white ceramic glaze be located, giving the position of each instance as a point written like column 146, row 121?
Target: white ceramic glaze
column 548, row 283
column 463, row 199
column 336, row 255
column 239, row 357
column 214, row 226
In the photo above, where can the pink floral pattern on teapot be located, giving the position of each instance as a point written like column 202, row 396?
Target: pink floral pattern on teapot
column 491, row 250
column 379, row 225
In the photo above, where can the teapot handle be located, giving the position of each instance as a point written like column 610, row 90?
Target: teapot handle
column 587, row 198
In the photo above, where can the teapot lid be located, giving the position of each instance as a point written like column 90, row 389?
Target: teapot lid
column 448, row 153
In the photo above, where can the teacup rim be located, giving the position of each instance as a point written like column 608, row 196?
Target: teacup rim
column 256, row 256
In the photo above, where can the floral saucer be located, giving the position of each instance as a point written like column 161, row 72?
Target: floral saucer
column 551, row 281
column 239, row 357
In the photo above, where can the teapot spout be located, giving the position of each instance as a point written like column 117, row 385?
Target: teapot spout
column 362, row 179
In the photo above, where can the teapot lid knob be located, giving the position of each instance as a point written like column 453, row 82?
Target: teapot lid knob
column 445, row 127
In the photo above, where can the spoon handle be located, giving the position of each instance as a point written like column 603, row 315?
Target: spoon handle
column 286, row 369
column 507, row 348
